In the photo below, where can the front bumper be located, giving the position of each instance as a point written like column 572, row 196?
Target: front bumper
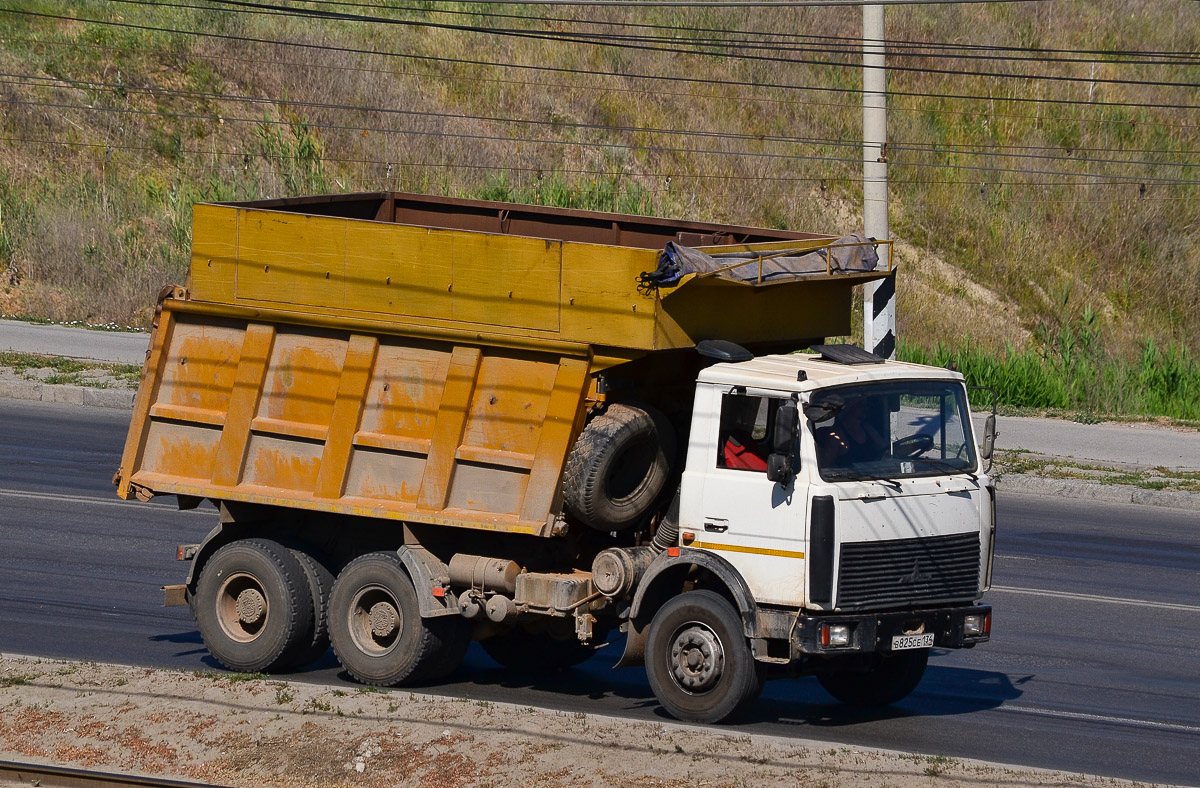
column 874, row 632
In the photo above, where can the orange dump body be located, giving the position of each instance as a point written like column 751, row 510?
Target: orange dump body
column 423, row 360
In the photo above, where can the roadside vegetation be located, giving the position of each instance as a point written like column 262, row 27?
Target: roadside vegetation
column 1074, row 292
column 61, row 370
column 1089, row 384
column 1146, row 478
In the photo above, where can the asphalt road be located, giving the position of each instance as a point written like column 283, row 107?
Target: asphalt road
column 1093, row 666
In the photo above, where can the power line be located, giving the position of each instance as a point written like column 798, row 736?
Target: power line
column 241, row 99
column 657, row 91
column 246, row 155
column 657, row 77
column 603, row 145
column 828, row 43
column 420, row 133
column 736, row 3
column 896, row 47
column 540, row 170
column 996, row 151
column 596, row 39
column 639, row 189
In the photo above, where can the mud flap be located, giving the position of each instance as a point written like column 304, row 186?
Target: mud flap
column 635, row 646
column 174, row 596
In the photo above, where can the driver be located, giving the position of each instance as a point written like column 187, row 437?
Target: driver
column 853, row 438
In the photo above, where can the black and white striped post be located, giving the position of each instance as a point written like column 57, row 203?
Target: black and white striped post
column 879, row 297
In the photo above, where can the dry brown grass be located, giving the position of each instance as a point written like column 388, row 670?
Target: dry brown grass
column 92, row 234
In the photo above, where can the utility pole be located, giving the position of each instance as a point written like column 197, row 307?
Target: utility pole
column 879, row 297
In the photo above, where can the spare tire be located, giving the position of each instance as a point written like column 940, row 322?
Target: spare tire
column 617, row 468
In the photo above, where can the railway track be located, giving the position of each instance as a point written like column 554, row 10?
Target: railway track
column 43, row 776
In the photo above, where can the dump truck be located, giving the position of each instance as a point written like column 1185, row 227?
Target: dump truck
column 430, row 421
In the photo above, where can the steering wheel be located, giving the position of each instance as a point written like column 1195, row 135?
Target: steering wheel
column 912, row 446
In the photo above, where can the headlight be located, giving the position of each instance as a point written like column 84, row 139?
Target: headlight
column 835, row 635
column 976, row 625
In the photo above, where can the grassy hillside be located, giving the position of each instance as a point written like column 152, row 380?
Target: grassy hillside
column 111, row 128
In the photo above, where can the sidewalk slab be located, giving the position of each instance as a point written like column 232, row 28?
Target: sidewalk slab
column 117, row 347
column 1145, row 445
column 1091, row 491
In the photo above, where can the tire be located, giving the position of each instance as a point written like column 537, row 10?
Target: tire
column 376, row 628
column 320, row 585
column 884, row 679
column 618, row 466
column 528, row 653
column 698, row 661
column 253, row 605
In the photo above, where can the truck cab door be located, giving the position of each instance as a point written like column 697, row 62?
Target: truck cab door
column 729, row 504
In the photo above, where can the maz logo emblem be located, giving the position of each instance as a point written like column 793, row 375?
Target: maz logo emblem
column 916, row 575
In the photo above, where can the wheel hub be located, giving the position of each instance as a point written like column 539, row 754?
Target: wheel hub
column 251, row 606
column 697, row 658
column 384, row 618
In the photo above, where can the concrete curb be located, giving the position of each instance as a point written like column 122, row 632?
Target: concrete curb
column 120, row 399
column 1091, row 491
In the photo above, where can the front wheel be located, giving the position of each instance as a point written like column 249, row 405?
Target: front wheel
column 879, row 680
column 698, row 661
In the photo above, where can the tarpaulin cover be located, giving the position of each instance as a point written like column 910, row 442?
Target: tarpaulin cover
column 675, row 262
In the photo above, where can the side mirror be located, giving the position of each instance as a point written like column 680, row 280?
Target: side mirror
column 824, row 410
column 786, row 420
column 989, row 428
column 779, row 469
column 989, row 437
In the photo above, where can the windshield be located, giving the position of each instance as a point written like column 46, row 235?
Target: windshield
column 891, row 430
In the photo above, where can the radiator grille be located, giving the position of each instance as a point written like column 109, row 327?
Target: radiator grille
column 908, row 571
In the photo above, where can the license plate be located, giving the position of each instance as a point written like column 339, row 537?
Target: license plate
column 903, row 642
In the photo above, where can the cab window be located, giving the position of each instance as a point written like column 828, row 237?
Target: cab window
column 744, row 439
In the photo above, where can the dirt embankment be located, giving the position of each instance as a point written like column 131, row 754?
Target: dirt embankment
column 249, row 730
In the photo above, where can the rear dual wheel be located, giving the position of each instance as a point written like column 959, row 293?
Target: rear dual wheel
column 313, row 645
column 254, row 606
column 377, row 631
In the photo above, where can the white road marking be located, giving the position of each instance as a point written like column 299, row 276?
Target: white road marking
column 1112, row 600
column 90, row 500
column 1015, row 557
column 1078, row 715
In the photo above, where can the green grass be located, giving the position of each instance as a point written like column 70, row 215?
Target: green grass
column 17, row 680
column 603, row 194
column 69, row 371
column 1160, row 382
column 937, row 764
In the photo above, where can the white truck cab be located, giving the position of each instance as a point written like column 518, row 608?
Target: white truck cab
column 849, row 496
